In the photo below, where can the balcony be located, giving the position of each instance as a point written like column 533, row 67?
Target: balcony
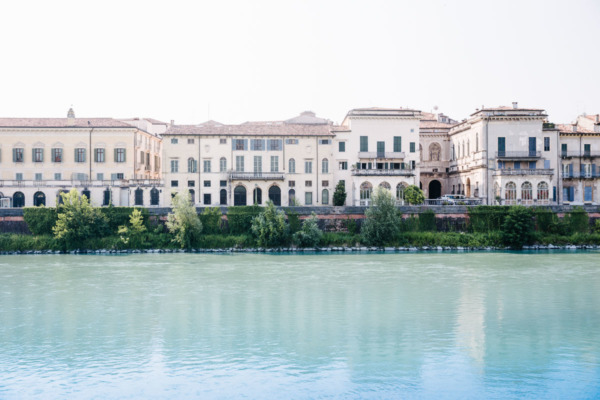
column 525, row 171
column 518, row 155
column 398, row 155
column 580, row 175
column 383, row 172
column 256, row 176
column 82, row 183
column 577, row 154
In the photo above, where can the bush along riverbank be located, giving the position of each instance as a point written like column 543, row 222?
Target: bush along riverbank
column 77, row 227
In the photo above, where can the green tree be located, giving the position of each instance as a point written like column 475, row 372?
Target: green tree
column 414, row 195
column 211, row 220
column 134, row 235
column 517, row 227
column 339, row 195
column 270, row 228
column 184, row 222
column 310, row 234
column 78, row 221
column 382, row 221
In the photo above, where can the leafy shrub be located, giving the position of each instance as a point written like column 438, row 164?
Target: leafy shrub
column 409, row 224
column 226, row 241
column 351, row 226
column 269, row 227
column 427, row 221
column 487, row 218
column 13, row 242
column 293, row 222
column 339, row 239
column 382, row 222
column 578, row 221
column 119, row 216
column 78, row 221
column 211, row 220
column 310, row 235
column 339, row 195
column 414, row 195
column 518, row 227
column 239, row 219
column 134, row 235
column 40, row 220
column 184, row 222
column 597, row 226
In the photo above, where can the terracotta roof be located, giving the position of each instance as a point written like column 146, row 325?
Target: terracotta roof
column 593, row 117
column 568, row 128
column 62, row 123
column 340, row 128
column 434, row 124
column 250, row 130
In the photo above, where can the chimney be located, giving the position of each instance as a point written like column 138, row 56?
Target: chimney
column 71, row 117
column 172, row 122
column 597, row 118
column 515, row 105
column 574, row 128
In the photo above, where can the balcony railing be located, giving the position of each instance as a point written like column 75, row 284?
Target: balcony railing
column 580, row 175
column 383, row 172
column 518, row 155
column 256, row 176
column 576, row 153
column 82, row 183
column 525, row 171
column 399, row 155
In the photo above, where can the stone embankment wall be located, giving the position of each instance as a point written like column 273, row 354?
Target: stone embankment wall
column 448, row 218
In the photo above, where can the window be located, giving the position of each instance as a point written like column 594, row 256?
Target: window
column 532, row 164
column 308, row 167
column 58, row 176
column 174, row 141
column 546, row 164
column 19, row 176
column 99, row 176
column 400, row 192
column 56, row 155
column 325, row 166
column 476, row 142
column 308, row 183
column 365, row 191
column 291, row 141
column 563, row 149
column 324, row 141
column 120, row 155
column 510, row 194
column 207, row 183
column 543, row 193
column 223, row 197
column 501, row 146
column 412, row 147
column 190, row 141
column 207, row 199
column 546, row 144
column 258, row 164
column 80, row 177
column 325, row 197
column 343, row 165
column 154, row 197
column 38, row 176
column 99, row 155
column 308, row 198
column 257, row 144
column 139, row 197
column 223, row 183
column 174, row 183
column 223, row 164
column 527, row 193
column 18, row 155
column 325, row 183
column 274, row 163
column 191, row 183
column 116, row 177
column 292, row 183
column 192, row 165
column 206, row 165
column 80, row 155
column 397, row 144
column 292, row 166
column 342, row 147
column 38, row 155
column 587, row 149
column 239, row 144
column 174, row 166
column 274, row 144
column 222, row 141
column 239, row 163
column 364, row 143
column 517, row 165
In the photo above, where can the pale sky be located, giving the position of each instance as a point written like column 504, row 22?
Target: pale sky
column 270, row 60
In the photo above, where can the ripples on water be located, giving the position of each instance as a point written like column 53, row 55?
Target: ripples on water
column 478, row 325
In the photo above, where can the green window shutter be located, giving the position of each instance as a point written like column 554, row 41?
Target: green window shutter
column 412, row 147
column 364, row 143
column 397, row 144
column 124, row 155
column 75, row 156
column 33, row 155
column 115, row 158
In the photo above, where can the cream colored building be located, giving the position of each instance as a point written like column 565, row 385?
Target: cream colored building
column 435, row 153
column 288, row 162
column 108, row 160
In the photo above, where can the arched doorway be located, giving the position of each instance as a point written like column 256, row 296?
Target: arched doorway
column 39, row 199
column 257, row 196
column 292, row 197
column 223, row 197
column 275, row 195
column 18, row 200
column 468, row 187
column 154, row 197
column 435, row 189
column 239, row 196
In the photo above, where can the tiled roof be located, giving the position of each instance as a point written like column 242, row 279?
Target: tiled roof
column 506, row 108
column 593, row 117
column 434, row 124
column 568, row 128
column 382, row 111
column 250, row 130
column 62, row 123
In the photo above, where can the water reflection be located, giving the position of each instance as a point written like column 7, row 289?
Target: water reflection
column 351, row 326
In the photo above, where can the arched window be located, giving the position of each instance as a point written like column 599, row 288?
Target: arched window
column 325, row 197
column 292, row 166
column 275, row 195
column 85, row 192
column 223, row 197
column 18, row 200
column 154, row 197
column 400, row 192
column 385, row 185
column 497, row 195
column 510, row 193
column 527, row 193
column 435, row 151
column 365, row 193
column 257, row 196
column 223, row 164
column 39, row 199
column 138, row 197
column 107, row 196
column 292, row 198
column 192, row 165
column 325, row 166
column 543, row 194
column 239, row 196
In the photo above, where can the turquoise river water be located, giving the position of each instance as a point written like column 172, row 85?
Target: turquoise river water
column 427, row 325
